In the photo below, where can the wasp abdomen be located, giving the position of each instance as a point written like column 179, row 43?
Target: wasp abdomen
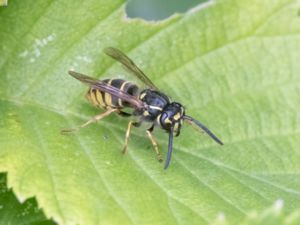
column 106, row 100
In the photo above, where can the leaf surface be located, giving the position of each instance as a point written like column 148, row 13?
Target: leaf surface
column 234, row 65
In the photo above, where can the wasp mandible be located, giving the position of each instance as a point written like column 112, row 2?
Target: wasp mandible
column 148, row 105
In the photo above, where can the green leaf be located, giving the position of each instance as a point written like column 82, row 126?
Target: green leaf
column 234, row 65
column 274, row 215
column 13, row 212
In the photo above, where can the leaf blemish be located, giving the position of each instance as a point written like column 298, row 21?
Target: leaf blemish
column 24, row 54
column 220, row 217
column 84, row 58
column 78, row 61
column 35, row 50
column 278, row 205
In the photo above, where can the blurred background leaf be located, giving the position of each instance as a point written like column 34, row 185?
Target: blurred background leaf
column 13, row 212
column 157, row 10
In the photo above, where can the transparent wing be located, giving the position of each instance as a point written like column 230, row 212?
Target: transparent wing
column 98, row 84
column 129, row 65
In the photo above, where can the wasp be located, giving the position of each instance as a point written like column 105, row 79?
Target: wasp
column 148, row 105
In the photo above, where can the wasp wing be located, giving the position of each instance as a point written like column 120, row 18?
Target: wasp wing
column 98, row 84
column 129, row 65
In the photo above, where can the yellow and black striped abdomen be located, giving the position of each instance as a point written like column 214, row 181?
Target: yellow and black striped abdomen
column 106, row 100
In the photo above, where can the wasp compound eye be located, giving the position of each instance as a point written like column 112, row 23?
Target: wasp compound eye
column 165, row 121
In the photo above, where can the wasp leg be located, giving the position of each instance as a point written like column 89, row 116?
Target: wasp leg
column 154, row 144
column 127, row 137
column 124, row 114
column 130, row 124
column 93, row 120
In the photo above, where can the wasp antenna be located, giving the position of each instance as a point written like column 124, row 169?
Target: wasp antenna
column 204, row 128
column 170, row 148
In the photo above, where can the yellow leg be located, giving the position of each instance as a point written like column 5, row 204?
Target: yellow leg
column 155, row 146
column 93, row 120
column 127, row 137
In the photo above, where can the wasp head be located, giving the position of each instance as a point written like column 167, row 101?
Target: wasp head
column 172, row 117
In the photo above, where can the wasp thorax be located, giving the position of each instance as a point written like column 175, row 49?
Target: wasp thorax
column 155, row 101
column 172, row 116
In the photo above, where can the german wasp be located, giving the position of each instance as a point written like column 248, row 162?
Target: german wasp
column 148, row 105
